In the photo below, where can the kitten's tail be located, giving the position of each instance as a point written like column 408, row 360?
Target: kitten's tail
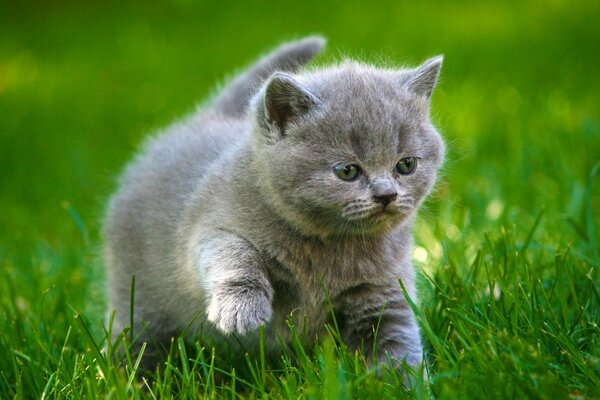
column 235, row 97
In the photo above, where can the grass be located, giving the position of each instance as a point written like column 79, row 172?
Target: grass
column 507, row 247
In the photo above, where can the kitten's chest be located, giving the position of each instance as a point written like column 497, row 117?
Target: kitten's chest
column 307, row 279
column 311, row 273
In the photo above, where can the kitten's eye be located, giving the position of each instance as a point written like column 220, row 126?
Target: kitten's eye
column 407, row 166
column 347, row 172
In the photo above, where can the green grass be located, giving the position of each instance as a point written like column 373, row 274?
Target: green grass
column 507, row 247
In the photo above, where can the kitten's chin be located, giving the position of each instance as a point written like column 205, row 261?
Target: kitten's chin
column 326, row 226
column 376, row 223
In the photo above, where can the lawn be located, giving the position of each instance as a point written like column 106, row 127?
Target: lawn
column 507, row 247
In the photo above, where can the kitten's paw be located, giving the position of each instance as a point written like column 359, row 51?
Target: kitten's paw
column 239, row 313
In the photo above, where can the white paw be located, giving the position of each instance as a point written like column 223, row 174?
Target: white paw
column 239, row 313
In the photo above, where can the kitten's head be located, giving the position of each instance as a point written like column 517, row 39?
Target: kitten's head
column 348, row 150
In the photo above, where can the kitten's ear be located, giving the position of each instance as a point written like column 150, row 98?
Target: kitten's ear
column 422, row 80
column 285, row 100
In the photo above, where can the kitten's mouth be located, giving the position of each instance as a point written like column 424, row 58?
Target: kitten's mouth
column 379, row 214
column 372, row 214
column 385, row 212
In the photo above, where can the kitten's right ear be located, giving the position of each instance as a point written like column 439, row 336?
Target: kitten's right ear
column 285, row 101
column 422, row 80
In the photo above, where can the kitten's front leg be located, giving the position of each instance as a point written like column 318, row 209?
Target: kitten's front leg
column 379, row 315
column 238, row 291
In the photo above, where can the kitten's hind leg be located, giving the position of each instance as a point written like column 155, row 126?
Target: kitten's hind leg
column 238, row 291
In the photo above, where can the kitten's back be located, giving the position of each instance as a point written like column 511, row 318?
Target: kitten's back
column 142, row 217
column 153, row 193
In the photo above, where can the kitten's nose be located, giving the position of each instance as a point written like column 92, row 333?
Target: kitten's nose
column 384, row 191
column 385, row 198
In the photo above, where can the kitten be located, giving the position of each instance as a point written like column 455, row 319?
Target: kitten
column 293, row 193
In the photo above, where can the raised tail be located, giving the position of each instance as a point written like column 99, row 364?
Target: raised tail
column 235, row 96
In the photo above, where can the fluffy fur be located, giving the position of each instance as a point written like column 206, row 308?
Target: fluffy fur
column 235, row 217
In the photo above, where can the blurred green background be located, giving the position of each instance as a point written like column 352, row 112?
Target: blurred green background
column 83, row 83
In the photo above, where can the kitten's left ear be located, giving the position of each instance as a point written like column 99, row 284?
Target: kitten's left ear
column 422, row 80
column 285, row 101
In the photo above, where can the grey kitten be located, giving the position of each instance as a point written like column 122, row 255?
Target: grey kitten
column 292, row 195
